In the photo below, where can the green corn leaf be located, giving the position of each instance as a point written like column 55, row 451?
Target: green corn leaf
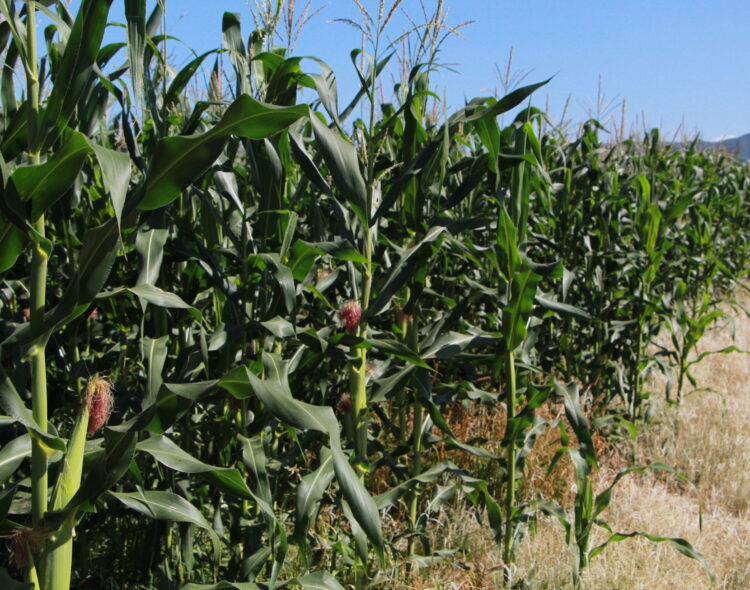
column 343, row 164
column 15, row 135
column 509, row 258
column 306, row 163
column 223, row 585
column 577, row 420
column 150, row 245
column 75, row 73
column 116, row 172
column 277, row 398
column 254, row 458
column 100, row 477
column 411, row 261
column 508, row 102
column 12, row 454
column 156, row 296
column 16, row 27
column 339, row 249
column 680, row 545
column 282, row 274
column 237, row 383
column 166, row 452
column 95, row 261
column 135, row 20
column 168, row 506
column 12, row 404
column 516, row 314
column 362, row 505
column 275, row 394
column 562, row 308
column 279, row 555
column 310, row 492
column 154, row 353
column 232, row 33
column 8, row 583
column 12, row 243
column 365, row 79
column 317, row 581
column 430, row 475
column 172, row 401
column 179, row 161
column 155, row 18
column 44, row 184
column 69, row 480
column 489, row 133
column 181, row 80
column 6, row 499
column 279, row 327
column 398, row 350
column 325, row 86
column 449, row 345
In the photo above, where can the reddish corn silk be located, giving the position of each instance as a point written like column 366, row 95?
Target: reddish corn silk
column 26, row 542
column 99, row 401
column 344, row 405
column 350, row 315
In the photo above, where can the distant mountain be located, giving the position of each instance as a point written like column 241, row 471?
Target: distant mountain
column 738, row 146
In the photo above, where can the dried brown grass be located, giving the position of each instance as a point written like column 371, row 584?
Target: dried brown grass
column 707, row 438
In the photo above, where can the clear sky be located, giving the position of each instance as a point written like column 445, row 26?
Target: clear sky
column 676, row 62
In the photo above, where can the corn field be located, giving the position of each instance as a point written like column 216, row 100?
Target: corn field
column 234, row 328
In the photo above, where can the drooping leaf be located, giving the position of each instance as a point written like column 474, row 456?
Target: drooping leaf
column 310, row 492
column 156, row 296
column 223, row 585
column 12, row 404
column 516, row 314
column 116, row 172
column 360, row 502
column 150, row 245
column 508, row 102
column 317, row 581
column 44, row 184
column 179, row 161
column 166, row 452
column 232, row 33
column 162, row 505
column 154, row 353
column 12, row 454
column 343, row 164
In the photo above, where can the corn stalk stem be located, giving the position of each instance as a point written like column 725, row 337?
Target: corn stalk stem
column 59, row 551
column 38, row 294
column 38, row 287
column 416, row 442
column 359, row 381
column 510, row 497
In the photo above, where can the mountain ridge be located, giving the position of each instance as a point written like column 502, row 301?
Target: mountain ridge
column 738, row 146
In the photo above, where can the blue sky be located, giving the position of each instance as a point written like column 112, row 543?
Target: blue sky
column 678, row 63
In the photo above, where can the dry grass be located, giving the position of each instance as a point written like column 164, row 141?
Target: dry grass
column 707, row 439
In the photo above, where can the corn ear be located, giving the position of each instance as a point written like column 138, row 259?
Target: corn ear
column 59, row 550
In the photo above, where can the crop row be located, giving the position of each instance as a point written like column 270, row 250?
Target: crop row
column 233, row 329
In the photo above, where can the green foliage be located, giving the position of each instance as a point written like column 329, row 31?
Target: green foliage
column 197, row 253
